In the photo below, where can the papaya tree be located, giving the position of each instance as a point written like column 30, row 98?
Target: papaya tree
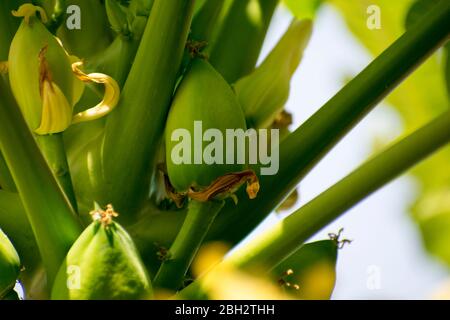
column 141, row 142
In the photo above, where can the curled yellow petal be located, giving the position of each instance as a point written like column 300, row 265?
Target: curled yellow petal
column 78, row 85
column 110, row 99
column 28, row 10
column 221, row 188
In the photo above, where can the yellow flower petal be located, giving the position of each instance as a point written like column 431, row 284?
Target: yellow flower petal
column 56, row 111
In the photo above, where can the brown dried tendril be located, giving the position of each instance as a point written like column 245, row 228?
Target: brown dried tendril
column 221, row 188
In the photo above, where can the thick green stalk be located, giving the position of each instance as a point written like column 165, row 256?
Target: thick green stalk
column 305, row 147
column 52, row 147
column 206, row 19
column 134, row 130
column 183, row 250
column 6, row 180
column 285, row 237
column 49, row 212
column 238, row 44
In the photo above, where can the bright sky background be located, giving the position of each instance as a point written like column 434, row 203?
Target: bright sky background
column 386, row 243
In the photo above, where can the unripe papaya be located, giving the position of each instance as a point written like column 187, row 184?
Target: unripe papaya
column 103, row 264
column 203, row 101
column 9, row 265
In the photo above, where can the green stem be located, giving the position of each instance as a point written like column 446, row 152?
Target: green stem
column 155, row 228
column 305, row 147
column 52, row 147
column 202, row 29
column 131, row 143
column 50, row 214
column 206, row 19
column 285, row 237
column 183, row 250
column 6, row 180
column 238, row 44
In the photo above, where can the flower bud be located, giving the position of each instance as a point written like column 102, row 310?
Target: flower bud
column 47, row 82
column 103, row 264
column 263, row 93
column 40, row 75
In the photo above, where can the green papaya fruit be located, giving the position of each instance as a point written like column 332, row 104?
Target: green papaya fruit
column 103, row 264
column 9, row 265
column 310, row 273
column 203, row 101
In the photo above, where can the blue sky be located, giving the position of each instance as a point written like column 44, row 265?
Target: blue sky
column 386, row 259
